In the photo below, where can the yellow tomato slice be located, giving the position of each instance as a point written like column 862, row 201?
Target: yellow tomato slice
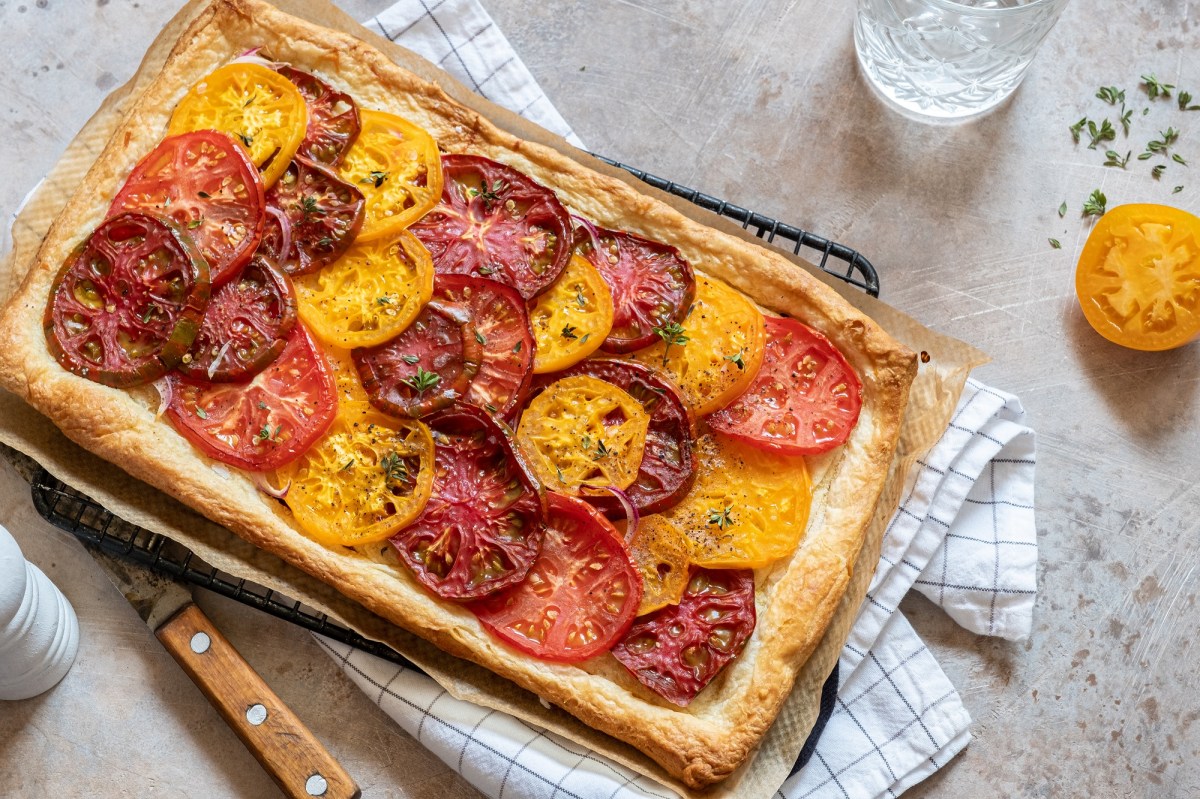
column 368, row 295
column 369, row 476
column 258, row 107
column 396, row 165
column 748, row 507
column 661, row 555
column 716, row 353
column 572, row 318
column 583, row 432
column 346, row 381
column 1138, row 279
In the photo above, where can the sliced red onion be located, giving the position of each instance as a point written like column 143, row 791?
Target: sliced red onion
column 212, row 367
column 631, row 511
column 163, row 386
column 264, row 485
column 285, row 227
column 251, row 56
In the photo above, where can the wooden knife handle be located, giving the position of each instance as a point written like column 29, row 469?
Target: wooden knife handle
column 289, row 752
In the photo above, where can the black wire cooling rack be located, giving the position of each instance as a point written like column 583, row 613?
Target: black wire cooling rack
column 92, row 523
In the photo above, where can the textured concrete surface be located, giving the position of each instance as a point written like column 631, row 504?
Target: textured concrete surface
column 760, row 101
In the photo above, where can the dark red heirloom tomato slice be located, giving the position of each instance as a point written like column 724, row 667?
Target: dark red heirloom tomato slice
column 805, row 400
column 332, row 117
column 502, row 330
column 264, row 423
column 668, row 466
column 678, row 650
column 482, row 526
column 651, row 284
column 580, row 596
column 245, row 326
column 127, row 302
column 313, row 217
column 425, row 368
column 204, row 182
column 495, row 222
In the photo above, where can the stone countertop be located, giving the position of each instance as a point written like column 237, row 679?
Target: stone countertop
column 759, row 102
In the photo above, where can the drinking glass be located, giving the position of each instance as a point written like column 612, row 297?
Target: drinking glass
column 948, row 60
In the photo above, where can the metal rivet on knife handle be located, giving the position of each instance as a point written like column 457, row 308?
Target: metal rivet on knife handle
column 200, row 643
column 256, row 714
column 316, row 785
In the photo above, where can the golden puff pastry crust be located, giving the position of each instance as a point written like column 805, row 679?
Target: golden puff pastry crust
column 796, row 597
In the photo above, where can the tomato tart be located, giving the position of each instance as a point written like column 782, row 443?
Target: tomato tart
column 504, row 401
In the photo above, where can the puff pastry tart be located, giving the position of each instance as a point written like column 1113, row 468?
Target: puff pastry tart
column 508, row 403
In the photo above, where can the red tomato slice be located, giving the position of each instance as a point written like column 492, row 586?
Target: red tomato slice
column 206, row 184
column 502, row 330
column 332, row 118
column 651, row 284
column 495, row 222
column 678, row 650
column 425, row 368
column 805, row 400
column 245, row 326
column 127, row 302
column 265, row 423
column 313, row 217
column 668, row 466
column 482, row 526
column 580, row 596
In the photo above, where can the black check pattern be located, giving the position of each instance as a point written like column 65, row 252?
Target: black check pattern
column 897, row 719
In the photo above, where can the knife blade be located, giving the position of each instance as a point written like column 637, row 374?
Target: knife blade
column 286, row 749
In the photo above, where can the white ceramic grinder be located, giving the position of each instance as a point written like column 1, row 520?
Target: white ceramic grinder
column 39, row 633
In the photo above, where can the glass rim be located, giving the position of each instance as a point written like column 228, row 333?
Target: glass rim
column 960, row 7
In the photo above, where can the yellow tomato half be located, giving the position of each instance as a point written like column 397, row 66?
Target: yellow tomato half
column 258, row 107
column 368, row 295
column 1138, row 279
column 572, row 318
column 581, row 432
column 748, row 507
column 716, row 353
column 397, row 167
column 370, row 475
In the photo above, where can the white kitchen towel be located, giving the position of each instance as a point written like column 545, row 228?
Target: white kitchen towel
column 964, row 536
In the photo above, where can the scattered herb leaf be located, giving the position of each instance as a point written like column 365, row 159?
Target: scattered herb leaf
column 1062, row 210
column 737, row 359
column 722, row 518
column 673, row 335
column 1111, row 95
column 1056, row 244
column 422, row 381
column 568, row 332
column 1096, row 204
column 1156, row 88
column 1115, row 159
column 1103, row 133
column 409, row 359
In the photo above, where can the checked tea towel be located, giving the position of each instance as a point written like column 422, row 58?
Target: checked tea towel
column 964, row 536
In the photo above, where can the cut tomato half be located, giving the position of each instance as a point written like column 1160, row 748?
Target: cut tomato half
column 1138, row 279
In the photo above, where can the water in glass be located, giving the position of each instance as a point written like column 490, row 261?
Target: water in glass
column 948, row 59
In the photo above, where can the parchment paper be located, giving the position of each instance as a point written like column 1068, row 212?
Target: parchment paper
column 932, row 400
